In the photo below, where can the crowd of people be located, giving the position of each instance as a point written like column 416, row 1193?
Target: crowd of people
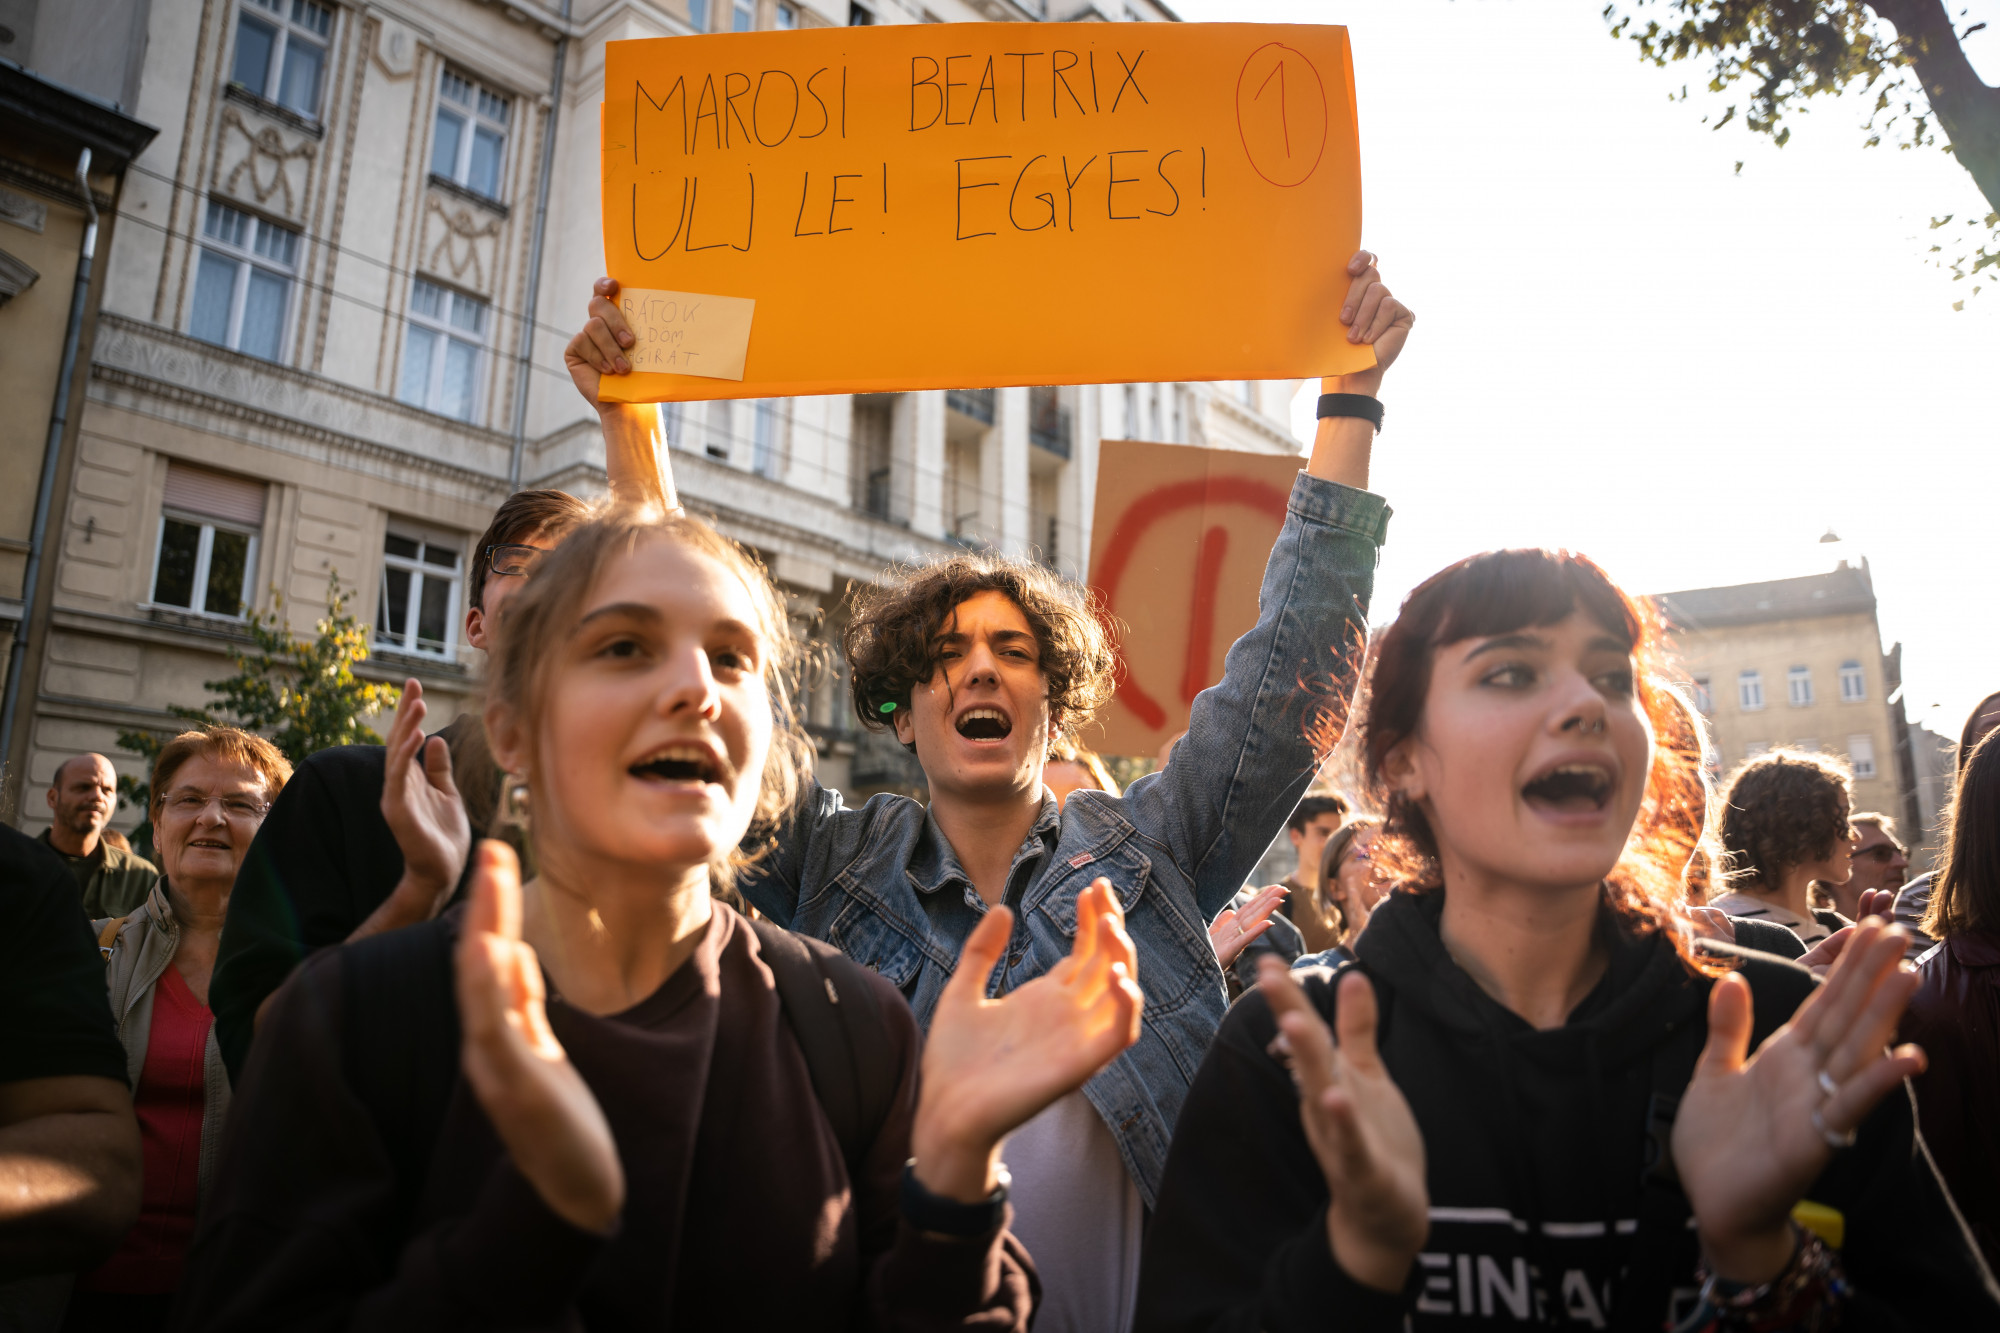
column 596, row 1010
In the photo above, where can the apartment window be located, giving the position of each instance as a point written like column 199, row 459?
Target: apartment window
column 1861, row 752
column 1703, row 699
column 721, row 429
column 281, row 51
column 859, row 15
column 1853, row 684
column 442, row 350
column 786, row 17
column 698, row 15
column 767, row 437
column 1750, row 690
column 418, row 610
column 207, row 552
column 471, row 136
column 1132, row 412
column 1798, row 683
column 743, row 16
column 870, row 452
column 1246, row 392
column 243, row 285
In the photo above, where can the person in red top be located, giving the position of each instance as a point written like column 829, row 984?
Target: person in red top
column 210, row 791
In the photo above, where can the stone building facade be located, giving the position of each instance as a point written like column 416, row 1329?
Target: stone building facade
column 331, row 344
column 1799, row 662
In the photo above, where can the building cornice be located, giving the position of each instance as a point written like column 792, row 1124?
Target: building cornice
column 112, row 136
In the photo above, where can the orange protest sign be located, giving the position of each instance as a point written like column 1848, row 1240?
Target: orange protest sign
column 978, row 204
column 1178, row 545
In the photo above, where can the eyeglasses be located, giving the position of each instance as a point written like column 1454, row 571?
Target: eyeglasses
column 1883, row 852
column 513, row 559
column 187, row 803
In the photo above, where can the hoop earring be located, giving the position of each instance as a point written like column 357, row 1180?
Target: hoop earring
column 514, row 802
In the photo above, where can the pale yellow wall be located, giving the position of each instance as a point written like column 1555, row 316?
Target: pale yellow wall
column 1822, row 645
column 31, row 332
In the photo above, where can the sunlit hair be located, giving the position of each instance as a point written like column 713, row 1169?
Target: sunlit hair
column 1067, row 751
column 1782, row 809
column 1965, row 892
column 1501, row 592
column 891, row 640
column 222, row 745
column 1326, row 906
column 542, row 616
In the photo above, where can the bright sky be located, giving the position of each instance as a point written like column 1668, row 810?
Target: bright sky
column 1626, row 348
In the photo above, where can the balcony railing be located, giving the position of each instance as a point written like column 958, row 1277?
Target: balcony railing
column 1048, row 422
column 974, row 403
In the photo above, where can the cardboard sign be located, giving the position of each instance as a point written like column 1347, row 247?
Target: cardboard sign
column 687, row 333
column 928, row 206
column 1178, row 546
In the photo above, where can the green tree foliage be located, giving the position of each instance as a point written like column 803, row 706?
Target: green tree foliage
column 1907, row 53
column 300, row 693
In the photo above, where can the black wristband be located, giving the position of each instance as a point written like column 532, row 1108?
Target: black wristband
column 948, row 1217
column 1351, row 405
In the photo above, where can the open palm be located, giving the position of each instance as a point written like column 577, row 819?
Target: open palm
column 1745, row 1143
column 991, row 1065
column 421, row 804
column 540, row 1106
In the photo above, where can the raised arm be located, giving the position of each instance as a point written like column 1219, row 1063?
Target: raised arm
column 1255, row 739
column 635, row 436
column 69, row 1173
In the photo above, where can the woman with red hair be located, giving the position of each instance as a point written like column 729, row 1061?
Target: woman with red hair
column 1532, row 1099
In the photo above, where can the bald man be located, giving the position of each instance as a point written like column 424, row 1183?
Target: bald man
column 112, row 881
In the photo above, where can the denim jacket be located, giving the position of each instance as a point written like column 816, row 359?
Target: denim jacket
column 882, row 884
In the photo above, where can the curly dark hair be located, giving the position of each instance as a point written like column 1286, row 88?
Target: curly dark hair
column 1780, row 810
column 891, row 639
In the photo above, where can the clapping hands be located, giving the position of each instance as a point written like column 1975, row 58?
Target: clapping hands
column 1752, row 1134
column 422, row 807
column 991, row 1065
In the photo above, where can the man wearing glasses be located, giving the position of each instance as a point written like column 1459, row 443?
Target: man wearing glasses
column 328, row 866
column 1880, row 862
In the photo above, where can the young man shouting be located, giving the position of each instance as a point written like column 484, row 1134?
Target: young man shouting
column 981, row 663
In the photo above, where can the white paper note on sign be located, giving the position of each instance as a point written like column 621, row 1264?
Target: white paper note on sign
column 687, row 333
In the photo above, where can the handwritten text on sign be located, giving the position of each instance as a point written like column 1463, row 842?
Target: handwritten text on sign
column 687, row 333
column 941, row 206
column 1178, row 543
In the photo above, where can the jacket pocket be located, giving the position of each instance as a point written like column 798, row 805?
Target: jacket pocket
column 873, row 941
column 1124, row 865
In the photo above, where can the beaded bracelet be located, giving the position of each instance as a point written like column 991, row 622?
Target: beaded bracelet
column 1808, row 1296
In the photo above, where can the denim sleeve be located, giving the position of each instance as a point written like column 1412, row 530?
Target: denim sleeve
column 1256, row 738
column 782, row 860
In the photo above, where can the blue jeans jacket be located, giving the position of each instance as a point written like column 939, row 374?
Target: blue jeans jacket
column 882, row 884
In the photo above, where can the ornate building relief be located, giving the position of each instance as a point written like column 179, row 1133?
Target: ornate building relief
column 459, row 244
column 256, row 165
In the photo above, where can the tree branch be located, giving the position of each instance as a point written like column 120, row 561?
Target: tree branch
column 1966, row 109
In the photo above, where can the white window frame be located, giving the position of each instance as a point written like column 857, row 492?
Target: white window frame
column 1853, row 682
column 1799, row 686
column 419, row 570
column 245, row 258
column 785, row 17
column 472, row 115
column 1750, row 691
column 1861, row 754
column 1704, row 697
column 769, row 425
column 743, row 15
column 198, row 591
column 444, row 328
column 284, row 16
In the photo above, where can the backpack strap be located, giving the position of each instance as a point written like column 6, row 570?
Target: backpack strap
column 841, row 1031
column 400, row 1042
column 108, row 937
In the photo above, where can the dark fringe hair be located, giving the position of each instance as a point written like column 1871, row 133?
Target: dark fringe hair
column 1500, row 592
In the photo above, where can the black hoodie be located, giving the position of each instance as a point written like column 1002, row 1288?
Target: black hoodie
column 1536, row 1148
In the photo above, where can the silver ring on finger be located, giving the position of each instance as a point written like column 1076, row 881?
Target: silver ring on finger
column 1834, row 1140
column 1827, row 1085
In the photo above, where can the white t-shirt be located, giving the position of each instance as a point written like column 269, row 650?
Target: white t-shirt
column 1809, row 929
column 1080, row 1217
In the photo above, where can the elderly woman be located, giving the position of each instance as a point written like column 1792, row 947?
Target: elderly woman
column 210, row 791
